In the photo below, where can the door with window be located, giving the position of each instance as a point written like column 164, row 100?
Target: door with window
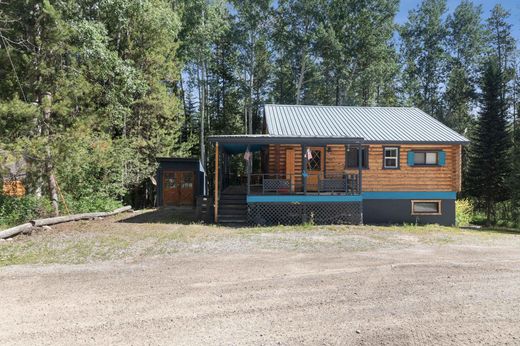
column 178, row 188
column 315, row 160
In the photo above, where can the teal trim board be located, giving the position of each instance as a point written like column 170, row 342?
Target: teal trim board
column 302, row 198
column 349, row 198
column 410, row 195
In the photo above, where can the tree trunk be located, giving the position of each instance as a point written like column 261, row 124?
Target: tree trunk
column 49, row 169
column 202, row 88
column 301, row 77
column 186, row 118
column 488, row 213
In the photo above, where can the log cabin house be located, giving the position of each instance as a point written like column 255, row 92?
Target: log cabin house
column 335, row 164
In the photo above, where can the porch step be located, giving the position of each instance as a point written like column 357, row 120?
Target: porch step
column 234, row 223
column 226, row 198
column 232, row 209
column 232, row 219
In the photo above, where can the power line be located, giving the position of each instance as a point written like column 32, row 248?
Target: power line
column 12, row 65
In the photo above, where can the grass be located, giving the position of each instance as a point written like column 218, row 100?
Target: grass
column 85, row 242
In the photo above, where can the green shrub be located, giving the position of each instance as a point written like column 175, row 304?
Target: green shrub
column 16, row 210
column 464, row 212
column 92, row 203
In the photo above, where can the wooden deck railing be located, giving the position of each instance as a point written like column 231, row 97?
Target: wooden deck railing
column 288, row 184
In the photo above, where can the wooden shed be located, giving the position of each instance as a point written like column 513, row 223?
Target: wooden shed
column 180, row 181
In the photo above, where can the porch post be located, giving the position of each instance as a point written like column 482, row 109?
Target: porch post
column 360, row 166
column 304, row 168
column 345, row 167
column 216, row 196
column 248, row 168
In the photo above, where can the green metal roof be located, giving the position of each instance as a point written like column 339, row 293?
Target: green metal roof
column 373, row 124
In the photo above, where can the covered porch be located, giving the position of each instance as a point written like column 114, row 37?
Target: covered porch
column 286, row 170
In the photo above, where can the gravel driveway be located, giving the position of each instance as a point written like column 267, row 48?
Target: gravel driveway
column 271, row 287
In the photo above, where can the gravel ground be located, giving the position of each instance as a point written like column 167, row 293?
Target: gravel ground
column 191, row 284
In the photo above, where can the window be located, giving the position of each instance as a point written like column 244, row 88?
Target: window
column 187, row 182
column 426, row 158
column 391, row 157
column 170, row 181
column 426, row 207
column 314, row 162
column 352, row 157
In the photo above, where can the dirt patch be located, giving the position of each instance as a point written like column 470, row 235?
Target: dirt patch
column 193, row 284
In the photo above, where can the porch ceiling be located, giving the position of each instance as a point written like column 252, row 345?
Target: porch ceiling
column 259, row 140
column 237, row 148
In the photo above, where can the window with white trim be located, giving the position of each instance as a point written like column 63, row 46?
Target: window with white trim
column 422, row 207
column 425, row 158
column 391, row 157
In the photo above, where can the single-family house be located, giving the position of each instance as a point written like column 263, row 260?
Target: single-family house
column 335, row 164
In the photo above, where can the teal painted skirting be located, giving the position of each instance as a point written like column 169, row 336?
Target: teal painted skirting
column 356, row 198
column 302, row 198
column 410, row 195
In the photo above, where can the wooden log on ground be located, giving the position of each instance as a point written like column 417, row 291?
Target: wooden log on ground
column 59, row 219
column 15, row 230
column 77, row 217
column 119, row 210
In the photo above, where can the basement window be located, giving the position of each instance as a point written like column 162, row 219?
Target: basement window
column 426, row 207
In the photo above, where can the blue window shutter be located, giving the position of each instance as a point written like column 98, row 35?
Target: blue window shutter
column 411, row 158
column 442, row 158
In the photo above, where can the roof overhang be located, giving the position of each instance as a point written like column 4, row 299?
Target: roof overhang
column 270, row 139
column 419, row 142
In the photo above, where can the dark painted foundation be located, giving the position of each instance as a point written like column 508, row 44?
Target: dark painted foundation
column 396, row 211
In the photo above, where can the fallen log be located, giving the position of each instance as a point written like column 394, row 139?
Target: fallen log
column 15, row 230
column 118, row 211
column 77, row 217
column 59, row 219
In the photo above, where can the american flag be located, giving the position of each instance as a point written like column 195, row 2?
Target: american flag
column 308, row 154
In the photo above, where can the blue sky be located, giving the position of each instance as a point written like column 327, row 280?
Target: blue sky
column 512, row 6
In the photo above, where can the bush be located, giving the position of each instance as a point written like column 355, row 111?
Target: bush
column 91, row 203
column 17, row 210
column 464, row 212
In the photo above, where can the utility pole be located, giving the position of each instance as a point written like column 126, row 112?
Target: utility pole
column 49, row 169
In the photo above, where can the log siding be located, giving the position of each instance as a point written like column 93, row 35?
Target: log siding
column 375, row 177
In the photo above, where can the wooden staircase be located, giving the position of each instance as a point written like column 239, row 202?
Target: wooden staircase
column 232, row 209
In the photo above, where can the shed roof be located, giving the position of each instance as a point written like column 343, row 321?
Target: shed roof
column 373, row 124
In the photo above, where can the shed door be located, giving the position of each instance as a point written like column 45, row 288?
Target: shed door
column 178, row 188
column 186, row 188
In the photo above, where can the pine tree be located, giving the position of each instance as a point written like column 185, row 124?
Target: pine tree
column 425, row 57
column 465, row 45
column 489, row 162
column 514, row 180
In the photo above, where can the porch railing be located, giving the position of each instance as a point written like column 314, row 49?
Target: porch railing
column 287, row 184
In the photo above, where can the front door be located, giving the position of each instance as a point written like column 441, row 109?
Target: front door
column 314, row 167
column 178, row 188
column 289, row 167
